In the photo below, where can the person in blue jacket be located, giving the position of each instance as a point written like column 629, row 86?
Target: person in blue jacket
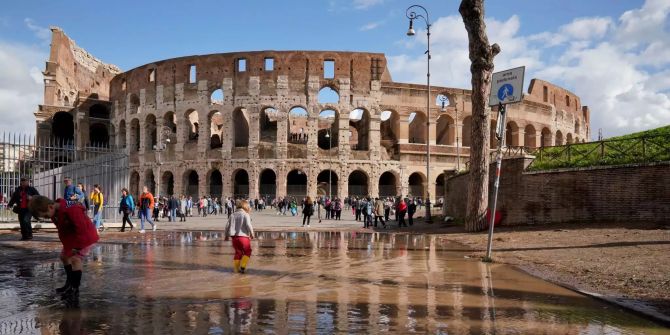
column 127, row 207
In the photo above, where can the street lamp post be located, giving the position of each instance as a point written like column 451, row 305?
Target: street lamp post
column 330, row 164
column 412, row 15
column 163, row 139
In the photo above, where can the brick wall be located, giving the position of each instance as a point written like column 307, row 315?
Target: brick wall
column 634, row 193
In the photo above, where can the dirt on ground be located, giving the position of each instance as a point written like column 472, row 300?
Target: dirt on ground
column 624, row 262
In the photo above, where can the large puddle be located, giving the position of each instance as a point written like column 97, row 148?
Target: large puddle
column 307, row 282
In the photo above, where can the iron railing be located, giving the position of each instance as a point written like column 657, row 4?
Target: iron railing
column 47, row 162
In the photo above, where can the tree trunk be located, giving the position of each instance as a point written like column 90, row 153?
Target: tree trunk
column 481, row 56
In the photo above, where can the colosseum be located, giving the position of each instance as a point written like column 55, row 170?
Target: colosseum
column 277, row 123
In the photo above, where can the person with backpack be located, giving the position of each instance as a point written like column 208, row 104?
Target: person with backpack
column 21, row 198
column 367, row 213
column 127, row 207
column 379, row 212
column 98, row 200
column 146, row 207
column 172, row 206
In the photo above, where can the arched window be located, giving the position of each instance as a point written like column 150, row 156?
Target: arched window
column 328, row 129
column 268, row 124
column 417, row 128
column 298, row 119
column 359, row 127
column 328, row 95
column 240, row 128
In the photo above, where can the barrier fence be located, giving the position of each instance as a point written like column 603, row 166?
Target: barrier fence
column 47, row 163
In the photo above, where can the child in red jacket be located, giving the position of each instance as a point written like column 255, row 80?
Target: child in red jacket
column 75, row 231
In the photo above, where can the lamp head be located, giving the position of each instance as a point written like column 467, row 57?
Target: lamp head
column 167, row 140
column 410, row 31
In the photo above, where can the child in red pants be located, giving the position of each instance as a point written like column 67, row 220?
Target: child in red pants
column 240, row 229
column 75, row 231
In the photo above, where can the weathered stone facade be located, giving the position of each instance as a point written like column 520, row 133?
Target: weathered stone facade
column 243, row 141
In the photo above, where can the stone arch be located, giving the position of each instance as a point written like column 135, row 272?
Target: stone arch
column 134, row 186
column 240, row 128
column 62, row 128
column 216, row 96
column 388, row 184
column 298, row 118
column 135, row 135
column 530, row 136
column 150, row 181
column 577, row 126
column 417, row 185
column 417, row 128
column 328, row 95
column 559, row 138
column 511, row 134
column 167, row 183
column 268, row 124
column 359, row 126
column 439, row 186
column 121, row 138
column 358, row 183
column 325, row 179
column 240, row 183
column 296, row 183
column 170, row 121
column 215, row 129
column 192, row 122
column 150, row 133
column 191, row 182
column 445, row 131
column 98, row 111
column 267, row 184
column 98, row 135
column 389, row 127
column 545, row 137
column 134, row 105
column 328, row 133
column 467, row 131
column 568, row 138
column 215, row 182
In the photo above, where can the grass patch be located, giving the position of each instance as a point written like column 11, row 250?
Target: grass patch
column 643, row 147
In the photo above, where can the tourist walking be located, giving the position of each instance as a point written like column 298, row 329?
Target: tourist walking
column 183, row 202
column 126, row 207
column 173, row 205
column 411, row 209
column 77, row 235
column 146, row 207
column 307, row 211
column 337, row 209
column 240, row 229
column 98, row 200
column 379, row 212
column 367, row 212
column 401, row 209
column 387, row 208
column 21, row 198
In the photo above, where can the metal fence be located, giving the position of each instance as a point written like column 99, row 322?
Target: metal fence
column 47, row 163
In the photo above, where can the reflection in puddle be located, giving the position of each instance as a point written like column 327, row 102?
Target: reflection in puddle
column 297, row 282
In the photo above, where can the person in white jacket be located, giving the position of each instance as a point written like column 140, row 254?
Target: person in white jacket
column 240, row 229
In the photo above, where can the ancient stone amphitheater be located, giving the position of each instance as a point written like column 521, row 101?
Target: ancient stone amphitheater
column 276, row 123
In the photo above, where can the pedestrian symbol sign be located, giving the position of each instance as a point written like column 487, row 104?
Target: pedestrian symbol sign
column 507, row 86
column 505, row 92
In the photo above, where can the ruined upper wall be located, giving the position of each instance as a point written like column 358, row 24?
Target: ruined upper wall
column 72, row 73
column 295, row 66
column 562, row 99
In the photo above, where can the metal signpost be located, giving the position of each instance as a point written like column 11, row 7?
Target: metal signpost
column 506, row 87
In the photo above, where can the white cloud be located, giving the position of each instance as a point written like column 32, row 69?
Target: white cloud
column 619, row 67
column 370, row 26
column 21, row 88
column 42, row 33
column 365, row 4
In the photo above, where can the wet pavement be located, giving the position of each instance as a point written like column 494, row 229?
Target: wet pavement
column 297, row 283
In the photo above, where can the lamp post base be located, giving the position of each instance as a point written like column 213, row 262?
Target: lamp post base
column 429, row 217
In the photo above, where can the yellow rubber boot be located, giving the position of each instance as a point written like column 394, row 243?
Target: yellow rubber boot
column 236, row 263
column 243, row 263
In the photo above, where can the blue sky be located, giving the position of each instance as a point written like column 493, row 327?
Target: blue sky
column 557, row 41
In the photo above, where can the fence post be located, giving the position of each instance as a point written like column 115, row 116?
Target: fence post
column 569, row 156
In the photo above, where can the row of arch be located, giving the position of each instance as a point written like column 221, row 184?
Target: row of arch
column 296, row 184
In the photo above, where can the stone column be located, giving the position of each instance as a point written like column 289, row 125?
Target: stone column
column 253, row 112
column 143, row 136
column 374, row 135
column 432, row 128
column 282, row 133
column 203, row 185
column 253, row 172
column 227, row 176
column 403, row 137
column 281, row 181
